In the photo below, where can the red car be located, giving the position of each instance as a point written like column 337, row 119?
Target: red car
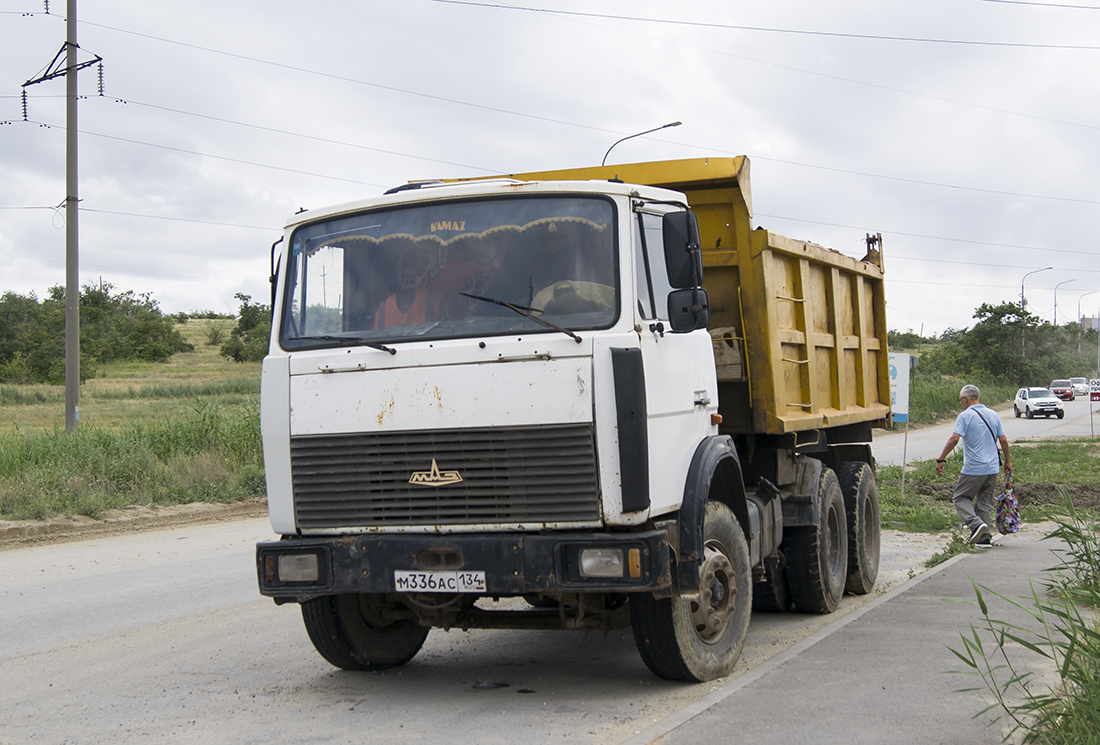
column 1063, row 389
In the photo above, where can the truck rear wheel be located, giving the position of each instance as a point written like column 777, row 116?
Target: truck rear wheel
column 700, row 639
column 817, row 556
column 352, row 632
column 857, row 482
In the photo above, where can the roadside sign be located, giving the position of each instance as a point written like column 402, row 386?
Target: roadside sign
column 899, row 386
column 1094, row 390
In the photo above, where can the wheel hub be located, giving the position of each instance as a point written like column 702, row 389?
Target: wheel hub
column 710, row 615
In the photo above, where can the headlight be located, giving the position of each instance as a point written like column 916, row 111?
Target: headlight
column 601, row 562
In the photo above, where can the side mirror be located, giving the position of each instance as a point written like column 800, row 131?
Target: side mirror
column 683, row 257
column 688, row 309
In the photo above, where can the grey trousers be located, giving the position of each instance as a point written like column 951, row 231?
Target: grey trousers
column 973, row 498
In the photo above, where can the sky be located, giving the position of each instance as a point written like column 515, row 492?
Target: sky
column 964, row 131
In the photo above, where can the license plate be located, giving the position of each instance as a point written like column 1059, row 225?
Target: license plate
column 439, row 581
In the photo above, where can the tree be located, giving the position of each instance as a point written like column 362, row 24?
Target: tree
column 113, row 326
column 994, row 349
column 249, row 341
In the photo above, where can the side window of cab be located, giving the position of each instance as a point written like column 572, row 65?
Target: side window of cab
column 652, row 276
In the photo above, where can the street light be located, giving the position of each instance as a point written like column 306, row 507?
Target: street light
column 1056, row 300
column 629, row 137
column 1023, row 300
column 1023, row 309
column 1079, row 319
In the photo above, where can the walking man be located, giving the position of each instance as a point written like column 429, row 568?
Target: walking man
column 981, row 431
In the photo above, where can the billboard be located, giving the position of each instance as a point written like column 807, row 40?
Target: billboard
column 899, row 386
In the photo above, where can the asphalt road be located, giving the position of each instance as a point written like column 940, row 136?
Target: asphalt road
column 162, row 636
column 925, row 443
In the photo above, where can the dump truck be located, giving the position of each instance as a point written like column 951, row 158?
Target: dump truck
column 588, row 399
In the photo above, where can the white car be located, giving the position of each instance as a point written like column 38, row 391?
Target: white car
column 1033, row 401
column 1080, row 386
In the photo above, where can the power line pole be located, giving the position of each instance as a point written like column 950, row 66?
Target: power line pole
column 72, row 204
column 72, row 229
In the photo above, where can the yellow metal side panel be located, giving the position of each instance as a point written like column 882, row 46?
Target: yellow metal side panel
column 816, row 350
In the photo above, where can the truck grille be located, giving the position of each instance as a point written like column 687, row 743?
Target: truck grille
column 508, row 475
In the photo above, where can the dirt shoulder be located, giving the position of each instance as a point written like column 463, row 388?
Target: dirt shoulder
column 22, row 533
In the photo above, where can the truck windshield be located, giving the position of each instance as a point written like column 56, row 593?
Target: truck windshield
column 407, row 273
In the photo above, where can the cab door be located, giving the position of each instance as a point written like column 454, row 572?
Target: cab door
column 681, row 390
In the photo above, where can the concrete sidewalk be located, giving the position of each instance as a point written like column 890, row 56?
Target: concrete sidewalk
column 881, row 675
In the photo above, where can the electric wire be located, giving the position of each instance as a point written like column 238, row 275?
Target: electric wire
column 765, row 29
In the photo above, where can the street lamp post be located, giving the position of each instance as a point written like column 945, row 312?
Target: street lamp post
column 630, row 137
column 1056, row 300
column 1023, row 308
column 1090, row 292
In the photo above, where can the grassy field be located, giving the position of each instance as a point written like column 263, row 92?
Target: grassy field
column 149, row 433
column 139, row 391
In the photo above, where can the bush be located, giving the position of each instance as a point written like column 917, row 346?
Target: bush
column 250, row 339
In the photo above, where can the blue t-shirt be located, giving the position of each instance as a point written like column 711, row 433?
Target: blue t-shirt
column 980, row 457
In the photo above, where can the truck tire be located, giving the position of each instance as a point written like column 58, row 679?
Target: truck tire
column 857, row 483
column 350, row 632
column 817, row 556
column 696, row 640
column 772, row 594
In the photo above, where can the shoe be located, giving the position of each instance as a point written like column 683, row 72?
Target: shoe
column 980, row 532
column 986, row 542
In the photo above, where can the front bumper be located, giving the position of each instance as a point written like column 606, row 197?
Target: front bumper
column 514, row 564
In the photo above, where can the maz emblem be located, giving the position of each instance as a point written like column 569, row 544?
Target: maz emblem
column 435, row 477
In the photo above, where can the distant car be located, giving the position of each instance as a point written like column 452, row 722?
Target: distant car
column 1080, row 386
column 1063, row 389
column 1033, row 401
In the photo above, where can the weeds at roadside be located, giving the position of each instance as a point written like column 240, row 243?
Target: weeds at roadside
column 918, row 513
column 959, row 544
column 210, row 455
column 1068, row 637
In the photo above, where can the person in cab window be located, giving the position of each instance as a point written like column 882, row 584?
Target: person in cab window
column 413, row 303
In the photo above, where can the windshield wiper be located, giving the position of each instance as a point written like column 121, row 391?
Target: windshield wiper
column 524, row 312
column 351, row 341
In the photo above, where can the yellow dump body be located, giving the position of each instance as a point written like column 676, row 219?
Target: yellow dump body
column 799, row 330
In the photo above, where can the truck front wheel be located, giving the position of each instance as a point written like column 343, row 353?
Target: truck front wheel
column 355, row 632
column 817, row 555
column 700, row 639
column 857, row 482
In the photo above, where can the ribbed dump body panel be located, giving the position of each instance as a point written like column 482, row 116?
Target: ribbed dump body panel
column 508, row 475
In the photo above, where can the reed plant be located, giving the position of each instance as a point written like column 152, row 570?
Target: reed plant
column 1066, row 636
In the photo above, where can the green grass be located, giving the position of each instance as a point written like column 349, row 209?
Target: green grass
column 149, row 433
column 210, row 455
column 1044, row 470
column 935, row 399
column 1063, row 462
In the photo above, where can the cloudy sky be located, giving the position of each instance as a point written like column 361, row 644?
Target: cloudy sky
column 965, row 131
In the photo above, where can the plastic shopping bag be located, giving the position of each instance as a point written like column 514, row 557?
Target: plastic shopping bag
column 1008, row 509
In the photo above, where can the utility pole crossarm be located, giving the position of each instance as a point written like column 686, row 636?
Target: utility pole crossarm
column 57, row 69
